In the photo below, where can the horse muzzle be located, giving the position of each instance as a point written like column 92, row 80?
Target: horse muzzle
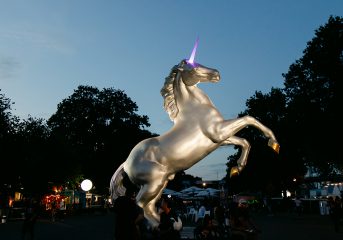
column 216, row 77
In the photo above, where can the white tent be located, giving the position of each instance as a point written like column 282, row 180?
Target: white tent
column 213, row 190
column 203, row 193
column 173, row 193
column 207, row 193
column 169, row 191
column 192, row 189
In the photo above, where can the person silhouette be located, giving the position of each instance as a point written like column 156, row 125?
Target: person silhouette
column 298, row 205
column 336, row 212
column 167, row 218
column 208, row 229
column 128, row 214
column 32, row 209
column 219, row 219
column 201, row 213
column 242, row 225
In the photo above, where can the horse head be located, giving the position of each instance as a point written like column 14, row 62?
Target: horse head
column 190, row 73
column 193, row 73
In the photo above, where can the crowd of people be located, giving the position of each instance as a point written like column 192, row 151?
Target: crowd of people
column 215, row 222
column 131, row 224
column 234, row 223
column 212, row 222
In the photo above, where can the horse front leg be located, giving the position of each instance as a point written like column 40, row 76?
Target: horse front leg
column 223, row 130
column 242, row 161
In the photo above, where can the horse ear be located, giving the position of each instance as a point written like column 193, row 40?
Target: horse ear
column 181, row 65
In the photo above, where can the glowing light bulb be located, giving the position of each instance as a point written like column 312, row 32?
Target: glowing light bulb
column 86, row 185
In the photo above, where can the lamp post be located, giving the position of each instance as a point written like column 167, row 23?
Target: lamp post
column 87, row 185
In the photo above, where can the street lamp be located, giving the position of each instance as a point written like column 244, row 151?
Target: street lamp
column 86, row 185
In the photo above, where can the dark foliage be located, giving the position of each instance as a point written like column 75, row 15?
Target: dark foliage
column 304, row 116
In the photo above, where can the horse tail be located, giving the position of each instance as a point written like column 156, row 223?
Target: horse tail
column 117, row 187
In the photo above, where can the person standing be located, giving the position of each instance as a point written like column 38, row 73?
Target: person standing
column 166, row 226
column 242, row 225
column 208, row 229
column 201, row 213
column 2, row 204
column 336, row 212
column 128, row 213
column 298, row 205
column 32, row 208
column 219, row 219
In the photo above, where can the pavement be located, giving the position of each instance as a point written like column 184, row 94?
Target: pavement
column 101, row 226
column 92, row 226
column 282, row 226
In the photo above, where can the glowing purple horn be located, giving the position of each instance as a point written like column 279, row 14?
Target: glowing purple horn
column 191, row 59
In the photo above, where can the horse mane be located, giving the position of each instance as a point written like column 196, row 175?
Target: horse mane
column 167, row 93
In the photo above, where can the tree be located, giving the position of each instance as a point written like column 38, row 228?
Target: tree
column 7, row 135
column 32, row 155
column 6, row 119
column 313, row 86
column 263, row 165
column 94, row 131
column 23, row 149
column 304, row 115
column 182, row 180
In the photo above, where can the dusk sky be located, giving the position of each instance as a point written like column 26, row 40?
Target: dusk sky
column 49, row 48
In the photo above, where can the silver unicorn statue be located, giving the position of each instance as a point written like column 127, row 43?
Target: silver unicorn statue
column 199, row 129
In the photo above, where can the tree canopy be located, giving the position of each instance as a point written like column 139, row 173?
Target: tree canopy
column 94, row 130
column 8, row 124
column 313, row 86
column 89, row 136
column 6, row 118
column 303, row 115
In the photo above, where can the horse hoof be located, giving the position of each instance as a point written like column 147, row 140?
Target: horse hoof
column 274, row 145
column 154, row 225
column 234, row 172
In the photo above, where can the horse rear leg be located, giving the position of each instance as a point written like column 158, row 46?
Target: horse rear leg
column 242, row 161
column 148, row 196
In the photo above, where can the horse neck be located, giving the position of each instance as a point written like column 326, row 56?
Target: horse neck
column 190, row 94
column 201, row 96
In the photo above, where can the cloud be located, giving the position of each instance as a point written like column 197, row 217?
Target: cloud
column 38, row 39
column 8, row 67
